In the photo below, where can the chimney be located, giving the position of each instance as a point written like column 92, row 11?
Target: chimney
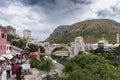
column 117, row 38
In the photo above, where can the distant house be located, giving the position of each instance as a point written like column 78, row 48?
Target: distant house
column 3, row 41
column 102, row 44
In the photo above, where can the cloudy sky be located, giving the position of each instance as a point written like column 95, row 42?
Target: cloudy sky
column 43, row 16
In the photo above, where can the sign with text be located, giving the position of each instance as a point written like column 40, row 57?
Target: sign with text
column 25, row 66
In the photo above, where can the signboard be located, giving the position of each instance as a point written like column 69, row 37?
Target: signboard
column 25, row 66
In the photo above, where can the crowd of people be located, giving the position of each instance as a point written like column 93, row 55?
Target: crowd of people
column 12, row 69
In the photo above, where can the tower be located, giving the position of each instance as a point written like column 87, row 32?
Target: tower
column 117, row 38
column 27, row 34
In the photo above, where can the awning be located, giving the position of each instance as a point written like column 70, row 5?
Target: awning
column 15, row 53
column 8, row 56
column 4, row 55
column 2, row 58
column 12, row 53
column 34, row 53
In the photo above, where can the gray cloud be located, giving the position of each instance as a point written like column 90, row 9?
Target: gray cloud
column 113, row 13
column 81, row 1
column 43, row 16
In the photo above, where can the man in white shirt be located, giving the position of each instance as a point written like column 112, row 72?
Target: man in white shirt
column 8, row 70
column 4, row 74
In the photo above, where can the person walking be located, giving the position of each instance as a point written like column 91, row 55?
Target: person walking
column 8, row 69
column 4, row 74
column 15, row 68
column 18, row 72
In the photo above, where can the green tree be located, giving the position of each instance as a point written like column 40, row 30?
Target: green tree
column 10, row 38
column 42, row 49
column 20, row 43
column 90, row 67
column 33, row 47
column 41, row 64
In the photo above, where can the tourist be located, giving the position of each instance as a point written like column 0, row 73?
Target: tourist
column 15, row 68
column 18, row 72
column 8, row 69
column 0, row 70
column 4, row 74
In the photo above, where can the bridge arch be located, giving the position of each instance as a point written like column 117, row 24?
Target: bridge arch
column 67, row 48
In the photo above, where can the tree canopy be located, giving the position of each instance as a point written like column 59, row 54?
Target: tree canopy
column 42, row 49
column 33, row 47
column 90, row 67
column 44, row 64
column 21, row 43
column 10, row 37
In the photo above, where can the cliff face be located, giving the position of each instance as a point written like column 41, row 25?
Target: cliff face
column 91, row 30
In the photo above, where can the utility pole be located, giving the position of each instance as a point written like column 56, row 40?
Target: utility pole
column 118, row 39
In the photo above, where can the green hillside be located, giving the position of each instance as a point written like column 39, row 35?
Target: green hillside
column 91, row 30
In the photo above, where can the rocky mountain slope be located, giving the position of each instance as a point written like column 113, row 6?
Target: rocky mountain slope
column 92, row 31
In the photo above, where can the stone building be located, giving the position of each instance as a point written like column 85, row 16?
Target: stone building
column 77, row 46
column 27, row 33
column 45, row 45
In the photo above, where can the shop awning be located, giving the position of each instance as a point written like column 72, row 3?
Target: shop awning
column 2, row 58
column 34, row 53
column 8, row 56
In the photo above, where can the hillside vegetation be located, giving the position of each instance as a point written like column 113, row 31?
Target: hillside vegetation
column 92, row 31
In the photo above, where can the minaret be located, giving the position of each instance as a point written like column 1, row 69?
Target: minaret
column 117, row 38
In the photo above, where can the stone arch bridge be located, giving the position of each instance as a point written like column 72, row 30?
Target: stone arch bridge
column 53, row 47
column 50, row 48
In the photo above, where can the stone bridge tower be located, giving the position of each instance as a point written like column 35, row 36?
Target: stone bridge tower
column 77, row 46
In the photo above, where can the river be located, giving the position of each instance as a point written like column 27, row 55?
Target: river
column 58, row 59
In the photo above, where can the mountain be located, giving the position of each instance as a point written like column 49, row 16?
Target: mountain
column 91, row 30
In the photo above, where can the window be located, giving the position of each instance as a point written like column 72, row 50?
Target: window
column 7, row 47
column 2, row 35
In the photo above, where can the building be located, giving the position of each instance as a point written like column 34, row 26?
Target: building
column 8, row 48
column 77, row 46
column 11, row 30
column 102, row 44
column 3, row 41
column 87, row 47
column 27, row 34
column 46, row 46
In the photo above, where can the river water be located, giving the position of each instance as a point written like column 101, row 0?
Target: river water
column 58, row 59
